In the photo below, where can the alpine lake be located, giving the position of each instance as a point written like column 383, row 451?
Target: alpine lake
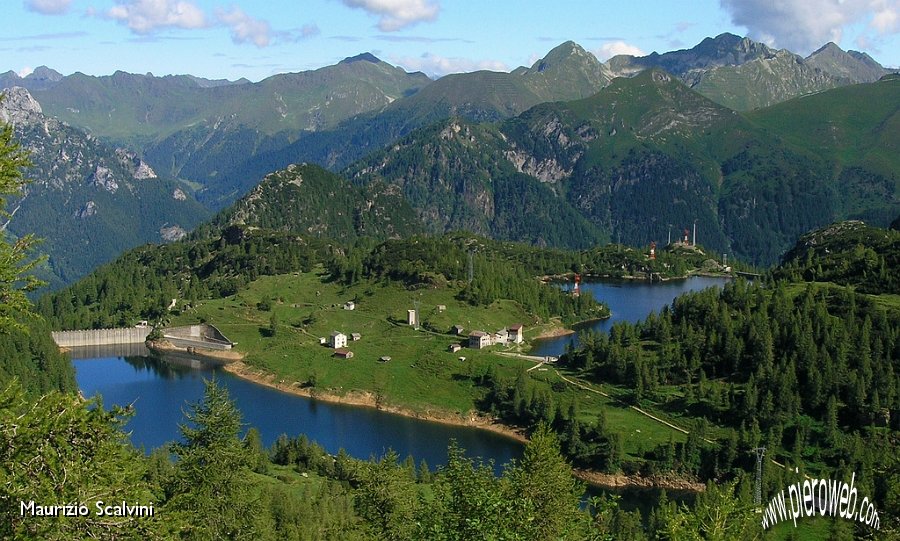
column 162, row 389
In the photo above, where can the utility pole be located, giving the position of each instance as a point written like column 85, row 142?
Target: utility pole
column 670, row 235
column 760, row 453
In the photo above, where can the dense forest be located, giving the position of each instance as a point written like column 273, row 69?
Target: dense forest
column 142, row 282
column 217, row 263
column 847, row 253
column 222, row 484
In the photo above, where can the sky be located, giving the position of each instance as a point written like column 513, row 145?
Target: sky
column 256, row 39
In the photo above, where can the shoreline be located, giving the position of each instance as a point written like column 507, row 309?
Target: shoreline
column 554, row 333
column 590, row 277
column 259, row 376
column 223, row 356
column 621, row 480
column 370, row 400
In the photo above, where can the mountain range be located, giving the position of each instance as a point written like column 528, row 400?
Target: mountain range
column 225, row 136
column 753, row 144
column 647, row 153
column 88, row 201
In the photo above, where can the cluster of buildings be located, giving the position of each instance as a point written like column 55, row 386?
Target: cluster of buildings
column 338, row 342
column 510, row 335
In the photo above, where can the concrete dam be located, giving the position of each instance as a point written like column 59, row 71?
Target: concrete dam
column 101, row 337
column 188, row 336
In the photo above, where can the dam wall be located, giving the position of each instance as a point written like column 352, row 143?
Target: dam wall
column 203, row 335
column 101, row 337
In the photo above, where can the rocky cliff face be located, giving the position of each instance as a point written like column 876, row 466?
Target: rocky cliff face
column 87, row 200
column 19, row 107
column 849, row 66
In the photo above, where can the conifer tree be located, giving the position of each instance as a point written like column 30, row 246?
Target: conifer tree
column 15, row 280
column 213, row 493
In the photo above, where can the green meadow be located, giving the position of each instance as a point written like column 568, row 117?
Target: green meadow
column 278, row 322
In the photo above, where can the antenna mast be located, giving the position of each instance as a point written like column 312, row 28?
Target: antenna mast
column 760, row 453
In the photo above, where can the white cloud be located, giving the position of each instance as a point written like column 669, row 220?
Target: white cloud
column 613, row 48
column 25, row 72
column 246, row 29
column 148, row 16
column 887, row 16
column 397, row 14
column 438, row 66
column 804, row 25
column 48, row 7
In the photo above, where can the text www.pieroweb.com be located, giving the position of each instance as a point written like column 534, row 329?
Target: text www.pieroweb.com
column 820, row 497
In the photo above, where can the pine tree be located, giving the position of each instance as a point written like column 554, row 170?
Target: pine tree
column 548, row 494
column 15, row 265
column 213, row 493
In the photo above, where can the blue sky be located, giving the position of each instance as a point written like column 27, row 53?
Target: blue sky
column 255, row 39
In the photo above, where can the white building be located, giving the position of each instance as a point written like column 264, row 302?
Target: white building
column 515, row 333
column 338, row 340
column 479, row 339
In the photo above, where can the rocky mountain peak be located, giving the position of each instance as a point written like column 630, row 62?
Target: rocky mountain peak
column 43, row 73
column 562, row 53
column 722, row 50
column 18, row 106
column 854, row 66
column 829, row 48
column 364, row 57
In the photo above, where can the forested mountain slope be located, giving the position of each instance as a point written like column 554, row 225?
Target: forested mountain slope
column 87, row 200
column 309, row 200
column 647, row 155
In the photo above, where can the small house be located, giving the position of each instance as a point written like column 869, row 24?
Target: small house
column 323, row 341
column 355, row 336
column 501, row 336
column 338, row 340
column 453, row 348
column 479, row 339
column 349, row 305
column 515, row 334
column 457, row 330
column 343, row 353
column 411, row 318
column 385, row 359
column 441, row 307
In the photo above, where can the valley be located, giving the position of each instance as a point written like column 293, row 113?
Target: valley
column 458, row 291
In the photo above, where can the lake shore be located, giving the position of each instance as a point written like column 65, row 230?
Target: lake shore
column 367, row 399
column 370, row 400
column 589, row 277
column 223, row 356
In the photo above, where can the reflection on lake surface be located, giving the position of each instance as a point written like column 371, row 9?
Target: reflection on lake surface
column 628, row 301
column 161, row 390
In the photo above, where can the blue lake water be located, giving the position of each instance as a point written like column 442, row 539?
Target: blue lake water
column 161, row 391
column 629, row 301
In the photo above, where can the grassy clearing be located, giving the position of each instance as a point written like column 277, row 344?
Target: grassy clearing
column 422, row 374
